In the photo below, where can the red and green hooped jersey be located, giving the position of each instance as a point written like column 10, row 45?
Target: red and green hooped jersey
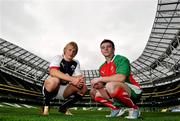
column 118, row 65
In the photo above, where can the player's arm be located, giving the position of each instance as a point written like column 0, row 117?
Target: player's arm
column 77, row 73
column 122, row 71
column 78, row 76
column 61, row 75
column 54, row 70
column 113, row 78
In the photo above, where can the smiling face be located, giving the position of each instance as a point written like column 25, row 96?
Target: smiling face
column 107, row 49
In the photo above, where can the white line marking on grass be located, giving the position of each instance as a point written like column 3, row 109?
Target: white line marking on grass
column 99, row 109
column 28, row 106
column 13, row 105
column 84, row 108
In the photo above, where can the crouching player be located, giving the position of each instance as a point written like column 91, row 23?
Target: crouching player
column 115, row 84
column 65, row 81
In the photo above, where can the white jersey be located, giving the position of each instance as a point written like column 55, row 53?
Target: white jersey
column 71, row 68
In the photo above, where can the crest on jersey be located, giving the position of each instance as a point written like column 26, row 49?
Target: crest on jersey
column 73, row 67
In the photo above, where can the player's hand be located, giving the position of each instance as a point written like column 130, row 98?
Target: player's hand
column 83, row 90
column 95, row 81
column 77, row 81
column 81, row 82
column 98, row 85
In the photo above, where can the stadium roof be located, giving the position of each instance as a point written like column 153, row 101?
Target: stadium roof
column 21, row 63
column 160, row 58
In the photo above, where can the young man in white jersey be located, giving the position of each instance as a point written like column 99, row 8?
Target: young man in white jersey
column 65, row 80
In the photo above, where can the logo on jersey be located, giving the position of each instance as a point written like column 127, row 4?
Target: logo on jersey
column 112, row 68
column 73, row 67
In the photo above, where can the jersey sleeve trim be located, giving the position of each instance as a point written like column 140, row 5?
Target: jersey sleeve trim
column 54, row 67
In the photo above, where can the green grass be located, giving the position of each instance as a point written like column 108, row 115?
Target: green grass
column 25, row 114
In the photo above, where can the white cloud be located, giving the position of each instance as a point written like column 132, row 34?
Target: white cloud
column 43, row 27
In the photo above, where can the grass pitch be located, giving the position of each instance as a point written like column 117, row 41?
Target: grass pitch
column 33, row 114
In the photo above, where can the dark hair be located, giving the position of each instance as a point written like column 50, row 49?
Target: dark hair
column 108, row 41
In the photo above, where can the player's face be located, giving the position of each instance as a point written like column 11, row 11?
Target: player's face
column 70, row 53
column 107, row 50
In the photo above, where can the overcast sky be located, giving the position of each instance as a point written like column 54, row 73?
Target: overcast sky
column 44, row 27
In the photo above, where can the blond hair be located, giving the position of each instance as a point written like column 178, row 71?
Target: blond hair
column 73, row 44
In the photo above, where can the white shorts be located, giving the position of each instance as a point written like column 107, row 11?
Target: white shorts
column 60, row 92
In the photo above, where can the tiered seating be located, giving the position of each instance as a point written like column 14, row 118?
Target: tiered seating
column 12, row 88
column 164, row 94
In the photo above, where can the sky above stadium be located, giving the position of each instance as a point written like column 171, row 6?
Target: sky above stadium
column 44, row 27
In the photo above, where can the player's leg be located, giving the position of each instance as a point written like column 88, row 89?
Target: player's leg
column 49, row 91
column 135, row 96
column 82, row 90
column 102, row 97
column 69, row 93
column 117, row 111
column 70, row 89
column 122, row 92
column 105, row 101
column 93, row 93
column 98, row 97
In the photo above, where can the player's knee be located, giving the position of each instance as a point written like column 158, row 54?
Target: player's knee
column 51, row 84
column 110, row 87
column 54, row 80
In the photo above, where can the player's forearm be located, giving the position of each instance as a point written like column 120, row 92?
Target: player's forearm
column 78, row 76
column 60, row 75
column 113, row 78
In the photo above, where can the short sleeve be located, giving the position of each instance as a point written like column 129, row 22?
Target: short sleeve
column 55, row 62
column 122, row 65
column 77, row 70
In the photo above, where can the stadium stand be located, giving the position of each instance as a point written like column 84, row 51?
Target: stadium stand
column 157, row 69
column 20, row 73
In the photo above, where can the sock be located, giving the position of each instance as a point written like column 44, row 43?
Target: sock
column 123, row 97
column 48, row 96
column 106, row 103
column 71, row 100
column 47, row 102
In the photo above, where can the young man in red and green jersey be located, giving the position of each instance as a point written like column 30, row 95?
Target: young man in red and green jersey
column 115, row 82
